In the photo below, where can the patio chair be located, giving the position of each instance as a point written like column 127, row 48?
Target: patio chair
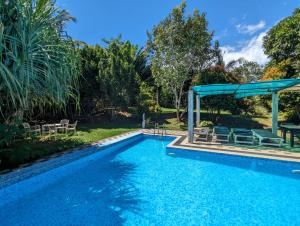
column 49, row 129
column 201, row 133
column 29, row 130
column 220, row 134
column 266, row 137
column 71, row 127
column 63, row 125
column 242, row 136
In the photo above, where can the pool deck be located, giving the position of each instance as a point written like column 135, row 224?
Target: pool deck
column 242, row 150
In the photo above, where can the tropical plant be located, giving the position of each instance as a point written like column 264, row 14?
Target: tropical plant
column 10, row 130
column 244, row 71
column 38, row 61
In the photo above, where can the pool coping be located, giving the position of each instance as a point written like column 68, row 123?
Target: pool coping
column 181, row 142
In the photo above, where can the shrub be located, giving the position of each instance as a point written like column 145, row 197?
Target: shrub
column 9, row 131
column 206, row 124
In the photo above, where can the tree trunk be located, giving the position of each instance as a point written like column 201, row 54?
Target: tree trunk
column 157, row 96
column 177, row 95
column 178, row 114
column 177, row 106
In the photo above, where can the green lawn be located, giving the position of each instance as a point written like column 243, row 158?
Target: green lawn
column 26, row 151
column 168, row 118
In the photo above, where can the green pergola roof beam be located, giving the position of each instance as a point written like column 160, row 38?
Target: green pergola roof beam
column 248, row 89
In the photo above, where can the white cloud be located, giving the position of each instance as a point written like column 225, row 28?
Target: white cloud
column 250, row 28
column 251, row 51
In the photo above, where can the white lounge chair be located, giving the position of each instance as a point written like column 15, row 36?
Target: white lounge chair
column 266, row 137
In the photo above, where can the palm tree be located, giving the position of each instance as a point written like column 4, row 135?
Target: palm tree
column 38, row 61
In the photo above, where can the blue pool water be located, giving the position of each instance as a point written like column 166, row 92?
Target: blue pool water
column 144, row 183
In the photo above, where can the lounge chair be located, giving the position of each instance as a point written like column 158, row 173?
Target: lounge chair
column 242, row 136
column 266, row 137
column 220, row 134
column 29, row 130
column 202, row 133
column 71, row 127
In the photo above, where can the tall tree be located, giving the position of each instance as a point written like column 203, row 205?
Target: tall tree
column 180, row 45
column 282, row 45
column 112, row 75
column 118, row 72
column 282, row 42
column 244, row 71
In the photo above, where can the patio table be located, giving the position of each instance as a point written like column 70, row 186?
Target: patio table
column 293, row 130
column 51, row 126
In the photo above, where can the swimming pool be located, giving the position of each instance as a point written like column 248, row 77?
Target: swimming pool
column 142, row 182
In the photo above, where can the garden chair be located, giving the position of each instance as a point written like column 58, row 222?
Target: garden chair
column 220, row 134
column 31, row 130
column 71, row 127
column 201, row 133
column 266, row 137
column 62, row 126
column 49, row 129
column 242, row 136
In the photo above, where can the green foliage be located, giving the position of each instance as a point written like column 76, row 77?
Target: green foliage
column 209, row 124
column 244, row 71
column 9, row 131
column 214, row 104
column 38, row 62
column 283, row 41
column 282, row 45
column 146, row 100
column 118, row 73
column 112, row 75
column 290, row 105
column 278, row 70
column 180, row 46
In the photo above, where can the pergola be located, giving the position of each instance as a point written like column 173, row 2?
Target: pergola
column 272, row 87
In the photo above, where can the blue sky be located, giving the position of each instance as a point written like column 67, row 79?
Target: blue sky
column 239, row 25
